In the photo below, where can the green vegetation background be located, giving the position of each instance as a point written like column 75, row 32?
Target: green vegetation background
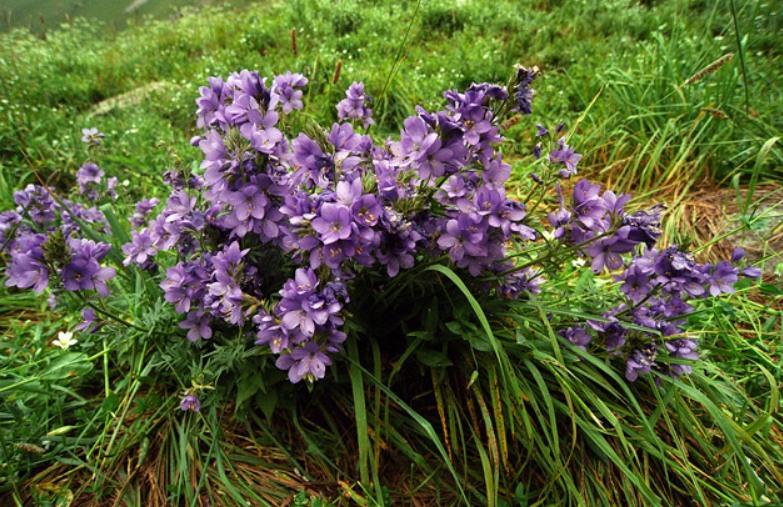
column 139, row 85
column 634, row 81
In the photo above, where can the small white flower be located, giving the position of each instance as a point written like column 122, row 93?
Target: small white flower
column 125, row 183
column 65, row 340
column 578, row 262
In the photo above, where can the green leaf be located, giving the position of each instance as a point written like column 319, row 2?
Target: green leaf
column 62, row 430
column 118, row 231
column 267, row 402
column 479, row 343
column 768, row 288
column 250, row 382
column 433, row 358
column 454, row 327
column 110, row 403
column 68, row 364
column 474, row 304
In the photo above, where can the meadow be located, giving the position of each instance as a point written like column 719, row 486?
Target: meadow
column 443, row 393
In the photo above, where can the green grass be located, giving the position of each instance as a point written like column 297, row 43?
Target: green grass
column 509, row 417
column 642, row 120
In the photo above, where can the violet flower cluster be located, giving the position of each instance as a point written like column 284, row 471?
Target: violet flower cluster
column 656, row 284
column 89, row 177
column 356, row 106
column 44, row 243
column 332, row 203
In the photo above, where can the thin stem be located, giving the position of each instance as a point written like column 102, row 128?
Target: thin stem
column 546, row 257
column 400, row 50
column 741, row 55
column 109, row 314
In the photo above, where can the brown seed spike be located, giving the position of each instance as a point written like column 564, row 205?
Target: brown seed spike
column 30, row 448
column 337, row 70
column 511, row 122
column 293, row 42
column 709, row 69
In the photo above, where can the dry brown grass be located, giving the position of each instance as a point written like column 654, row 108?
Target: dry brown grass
column 711, row 213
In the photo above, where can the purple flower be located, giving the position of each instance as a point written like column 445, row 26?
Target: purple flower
column 606, row 251
column 83, row 271
column 27, row 268
column 284, row 86
column 751, row 272
column 186, row 283
column 645, row 225
column 309, row 156
column 636, row 283
column 78, row 274
column 246, row 109
column 211, row 103
column 92, row 136
column 565, row 154
column 178, row 179
column 355, row 105
column 190, row 402
column 37, row 202
column 143, row 208
column 140, row 250
column 723, row 278
column 678, row 272
column 366, row 210
column 248, row 202
column 577, row 336
column 274, row 336
column 333, row 223
column 587, row 193
column 89, row 177
column 476, row 123
column 421, row 144
column 88, row 323
column 614, row 336
column 640, row 362
column 523, row 93
column 398, row 243
column 330, row 203
column 197, row 323
column 683, row 348
column 307, row 362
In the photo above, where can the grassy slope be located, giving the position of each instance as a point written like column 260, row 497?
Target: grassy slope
column 643, row 131
column 617, row 51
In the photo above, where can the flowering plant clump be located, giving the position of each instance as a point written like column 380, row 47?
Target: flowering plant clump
column 273, row 234
column 43, row 239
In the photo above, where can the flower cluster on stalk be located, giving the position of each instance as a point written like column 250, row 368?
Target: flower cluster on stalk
column 657, row 284
column 334, row 203
column 45, row 244
column 269, row 235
